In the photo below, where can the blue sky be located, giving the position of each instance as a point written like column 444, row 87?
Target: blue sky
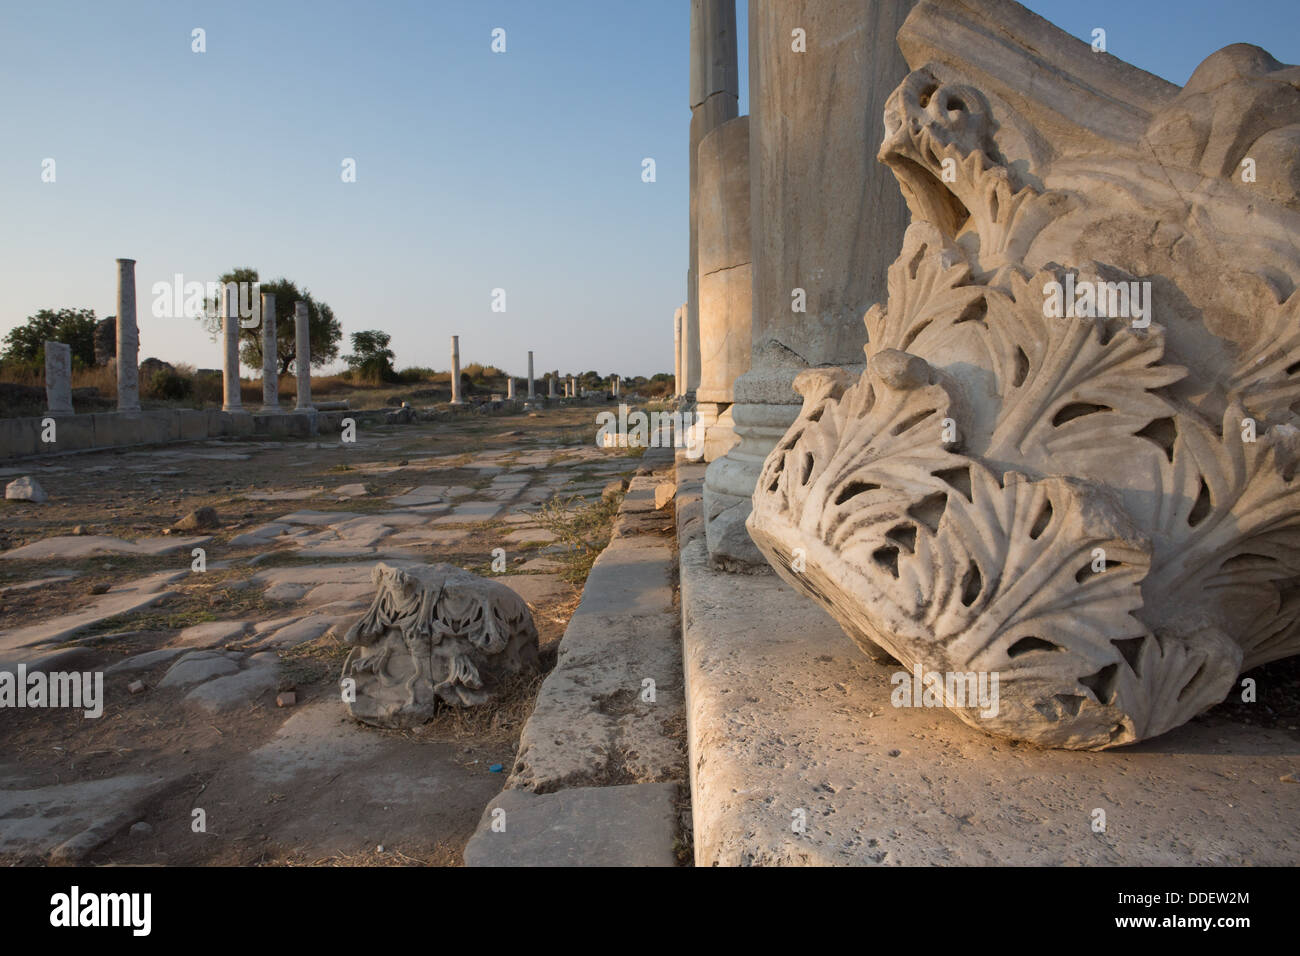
column 475, row 170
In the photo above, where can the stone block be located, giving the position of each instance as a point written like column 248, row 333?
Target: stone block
column 630, row 825
column 20, row 437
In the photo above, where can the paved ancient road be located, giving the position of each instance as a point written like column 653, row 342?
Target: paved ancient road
column 302, row 524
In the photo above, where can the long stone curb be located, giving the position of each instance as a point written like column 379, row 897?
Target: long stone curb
column 24, row 437
column 600, row 762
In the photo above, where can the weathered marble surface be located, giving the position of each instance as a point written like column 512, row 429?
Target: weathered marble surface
column 714, row 100
column 827, row 218
column 1102, row 510
column 434, row 633
column 58, row 378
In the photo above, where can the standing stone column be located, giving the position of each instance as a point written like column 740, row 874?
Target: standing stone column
column 678, row 382
column 58, row 379
column 230, row 353
column 550, row 387
column 532, row 393
column 725, row 279
column 715, row 99
column 573, row 387
column 613, row 385
column 455, row 371
column 510, row 389
column 128, row 339
column 825, row 218
column 302, row 359
column 270, row 356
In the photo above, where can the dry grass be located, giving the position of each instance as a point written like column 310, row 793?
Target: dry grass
column 583, row 527
column 500, row 722
column 314, row 662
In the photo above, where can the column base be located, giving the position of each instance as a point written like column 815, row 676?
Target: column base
column 720, row 436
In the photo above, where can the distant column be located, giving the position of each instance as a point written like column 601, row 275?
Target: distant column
column 510, row 389
column 532, row 394
column 614, row 386
column 58, row 379
column 128, row 339
column 230, row 354
column 270, row 356
column 573, row 387
column 302, row 360
column 550, row 387
column 455, row 371
column 677, row 352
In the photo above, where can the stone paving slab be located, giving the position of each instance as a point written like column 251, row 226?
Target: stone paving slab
column 631, row 825
column 68, row 819
column 537, row 589
column 319, row 517
column 85, row 545
column 423, row 495
column 786, row 715
column 124, row 599
column 374, row 789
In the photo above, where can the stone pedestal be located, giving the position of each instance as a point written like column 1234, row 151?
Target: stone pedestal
column 302, row 360
column 58, row 379
column 231, row 401
column 128, row 339
column 270, row 356
column 827, row 219
column 456, row 398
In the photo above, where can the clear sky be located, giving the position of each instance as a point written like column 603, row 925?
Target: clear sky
column 474, row 170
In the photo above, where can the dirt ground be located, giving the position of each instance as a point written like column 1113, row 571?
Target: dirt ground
column 299, row 785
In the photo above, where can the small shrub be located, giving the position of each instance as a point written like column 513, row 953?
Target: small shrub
column 168, row 386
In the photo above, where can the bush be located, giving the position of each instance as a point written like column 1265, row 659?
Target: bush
column 416, row 374
column 168, row 385
column 481, row 374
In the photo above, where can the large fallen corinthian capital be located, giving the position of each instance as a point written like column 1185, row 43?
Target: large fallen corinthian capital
column 1071, row 458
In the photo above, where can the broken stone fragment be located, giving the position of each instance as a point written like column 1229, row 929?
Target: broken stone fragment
column 25, row 488
column 1069, row 463
column 664, row 493
column 434, row 633
column 198, row 519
